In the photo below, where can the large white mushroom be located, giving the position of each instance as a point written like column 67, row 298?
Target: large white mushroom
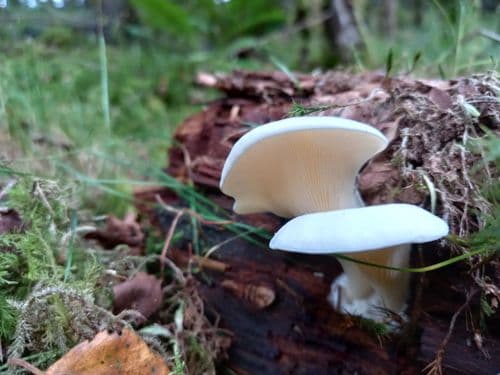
column 299, row 165
column 379, row 234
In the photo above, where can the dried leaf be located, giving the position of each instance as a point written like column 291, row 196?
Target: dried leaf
column 9, row 221
column 126, row 231
column 109, row 354
column 142, row 293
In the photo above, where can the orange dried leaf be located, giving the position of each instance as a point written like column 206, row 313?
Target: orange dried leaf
column 110, row 354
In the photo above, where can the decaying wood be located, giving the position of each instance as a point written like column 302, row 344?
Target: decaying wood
column 117, row 231
column 274, row 302
column 426, row 121
column 292, row 329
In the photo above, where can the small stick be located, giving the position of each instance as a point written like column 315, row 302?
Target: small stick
column 39, row 192
column 9, row 185
column 84, row 229
column 210, row 264
column 168, row 238
column 435, row 367
column 26, row 365
column 173, row 266
column 187, row 162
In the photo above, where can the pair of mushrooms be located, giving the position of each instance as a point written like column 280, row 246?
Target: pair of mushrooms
column 305, row 168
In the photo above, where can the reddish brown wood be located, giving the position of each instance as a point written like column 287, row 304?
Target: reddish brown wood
column 299, row 333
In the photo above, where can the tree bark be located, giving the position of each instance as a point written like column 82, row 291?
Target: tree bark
column 341, row 29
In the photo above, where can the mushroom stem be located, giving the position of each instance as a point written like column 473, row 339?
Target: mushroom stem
column 390, row 285
column 358, row 286
column 379, row 234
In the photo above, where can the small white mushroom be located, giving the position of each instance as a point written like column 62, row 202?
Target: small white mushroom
column 376, row 234
column 299, row 165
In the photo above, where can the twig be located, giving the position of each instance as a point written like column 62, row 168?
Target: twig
column 8, row 186
column 435, row 367
column 173, row 266
column 38, row 192
column 26, row 365
column 217, row 246
column 210, row 263
column 168, row 238
column 78, row 230
column 187, row 161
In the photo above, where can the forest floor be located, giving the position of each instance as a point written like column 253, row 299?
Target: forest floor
column 113, row 229
column 199, row 283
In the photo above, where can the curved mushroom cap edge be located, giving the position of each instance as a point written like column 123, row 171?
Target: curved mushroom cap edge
column 359, row 229
column 289, row 125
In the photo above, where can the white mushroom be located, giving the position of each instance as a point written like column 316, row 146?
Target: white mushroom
column 299, row 165
column 377, row 234
column 303, row 165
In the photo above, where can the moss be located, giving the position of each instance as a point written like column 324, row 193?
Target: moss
column 43, row 306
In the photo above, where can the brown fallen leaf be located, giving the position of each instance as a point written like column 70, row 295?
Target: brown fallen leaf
column 10, row 221
column 142, row 293
column 106, row 354
column 126, row 231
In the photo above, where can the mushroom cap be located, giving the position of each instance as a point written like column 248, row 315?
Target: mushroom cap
column 299, row 165
column 359, row 229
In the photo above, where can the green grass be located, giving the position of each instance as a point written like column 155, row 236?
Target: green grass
column 57, row 93
column 447, row 42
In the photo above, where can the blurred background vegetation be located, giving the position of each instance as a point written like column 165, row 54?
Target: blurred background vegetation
column 91, row 90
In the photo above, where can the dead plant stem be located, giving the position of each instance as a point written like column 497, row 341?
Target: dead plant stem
column 168, row 238
column 435, row 367
column 26, row 365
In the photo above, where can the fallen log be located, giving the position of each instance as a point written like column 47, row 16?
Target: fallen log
column 275, row 303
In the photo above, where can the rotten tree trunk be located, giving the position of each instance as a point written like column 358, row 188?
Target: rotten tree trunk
column 275, row 302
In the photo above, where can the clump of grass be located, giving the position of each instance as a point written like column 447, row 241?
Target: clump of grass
column 448, row 42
